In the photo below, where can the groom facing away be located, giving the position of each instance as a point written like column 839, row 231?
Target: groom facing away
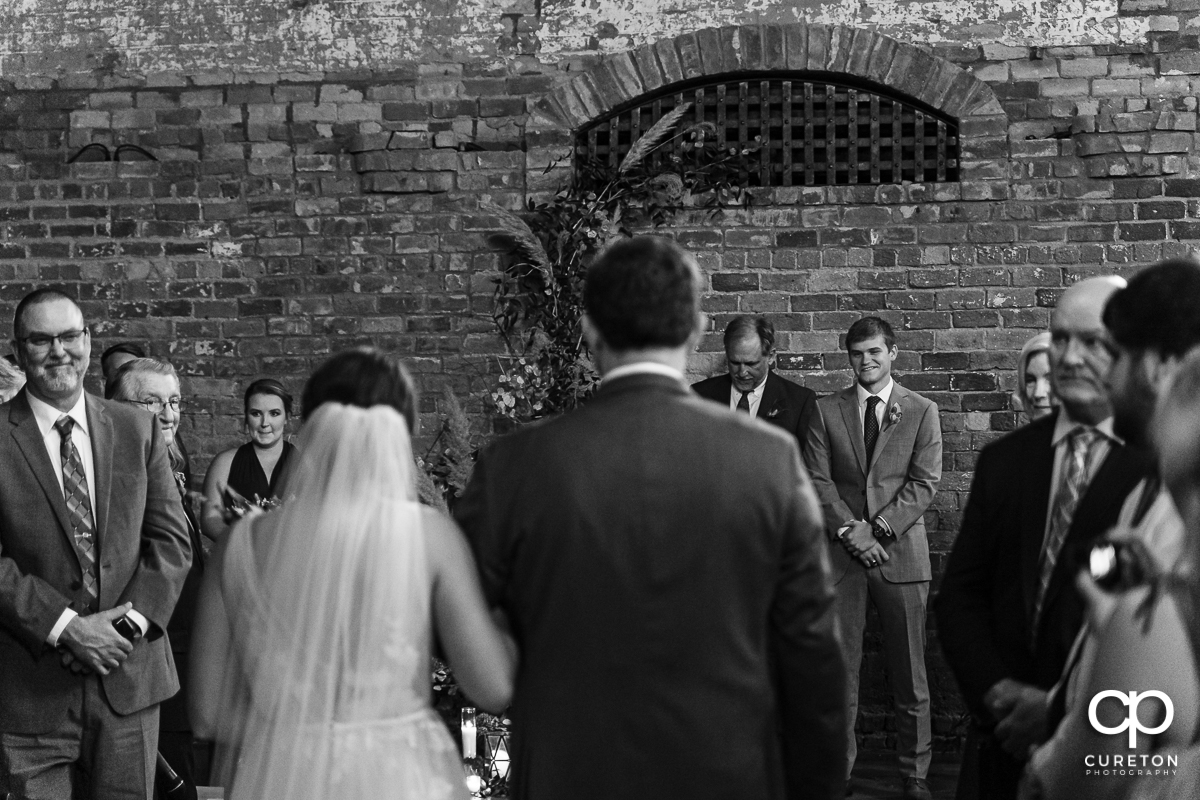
column 662, row 562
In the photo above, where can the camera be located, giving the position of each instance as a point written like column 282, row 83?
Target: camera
column 1118, row 565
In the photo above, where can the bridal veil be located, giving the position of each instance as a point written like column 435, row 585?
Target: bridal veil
column 328, row 599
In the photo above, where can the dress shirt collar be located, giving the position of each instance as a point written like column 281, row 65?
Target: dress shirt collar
column 754, row 394
column 1064, row 426
column 884, row 394
column 46, row 414
column 643, row 368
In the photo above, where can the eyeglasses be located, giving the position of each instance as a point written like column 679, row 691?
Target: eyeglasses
column 156, row 406
column 41, row 341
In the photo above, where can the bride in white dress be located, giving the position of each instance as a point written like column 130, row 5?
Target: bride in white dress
column 311, row 651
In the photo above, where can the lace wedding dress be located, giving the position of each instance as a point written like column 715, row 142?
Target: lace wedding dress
column 329, row 603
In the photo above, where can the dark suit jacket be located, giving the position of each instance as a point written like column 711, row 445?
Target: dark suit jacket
column 663, row 566
column 784, row 403
column 898, row 484
column 985, row 605
column 143, row 551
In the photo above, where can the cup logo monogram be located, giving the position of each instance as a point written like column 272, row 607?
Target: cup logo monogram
column 1131, row 723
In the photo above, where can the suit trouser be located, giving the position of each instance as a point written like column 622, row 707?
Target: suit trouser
column 901, row 608
column 95, row 754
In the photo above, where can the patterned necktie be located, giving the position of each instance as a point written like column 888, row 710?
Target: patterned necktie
column 871, row 427
column 744, row 403
column 79, row 506
column 1071, row 487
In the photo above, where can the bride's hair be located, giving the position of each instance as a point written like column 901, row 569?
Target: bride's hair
column 364, row 377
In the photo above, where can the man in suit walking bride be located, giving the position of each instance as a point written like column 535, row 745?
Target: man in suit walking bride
column 661, row 560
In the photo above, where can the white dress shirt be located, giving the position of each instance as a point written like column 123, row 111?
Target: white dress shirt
column 643, row 368
column 46, row 415
column 754, row 397
column 884, row 394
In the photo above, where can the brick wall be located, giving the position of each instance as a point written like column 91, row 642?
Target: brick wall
column 291, row 214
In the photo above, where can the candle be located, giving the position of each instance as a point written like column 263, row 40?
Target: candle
column 468, row 732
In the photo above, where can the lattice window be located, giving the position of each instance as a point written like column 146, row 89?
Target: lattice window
column 815, row 130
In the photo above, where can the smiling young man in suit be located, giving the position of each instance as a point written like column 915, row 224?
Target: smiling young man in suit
column 875, row 452
column 751, row 386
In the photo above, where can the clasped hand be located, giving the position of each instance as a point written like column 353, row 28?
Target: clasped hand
column 1020, row 713
column 92, row 644
column 859, row 540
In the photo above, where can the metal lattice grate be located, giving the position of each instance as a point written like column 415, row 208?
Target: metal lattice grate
column 815, row 131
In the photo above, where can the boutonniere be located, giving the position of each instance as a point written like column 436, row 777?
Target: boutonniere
column 774, row 412
column 894, row 414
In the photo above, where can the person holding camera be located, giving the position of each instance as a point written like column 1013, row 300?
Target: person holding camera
column 1152, row 324
column 94, row 552
column 1006, row 613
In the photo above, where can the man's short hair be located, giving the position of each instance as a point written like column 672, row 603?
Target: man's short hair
column 35, row 298
column 1159, row 309
column 747, row 325
column 132, row 348
column 125, row 381
column 643, row 292
column 869, row 328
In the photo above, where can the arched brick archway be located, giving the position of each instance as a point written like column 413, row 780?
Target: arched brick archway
column 619, row 78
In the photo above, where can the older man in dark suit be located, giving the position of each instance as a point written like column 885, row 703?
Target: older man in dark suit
column 93, row 554
column 1007, row 612
column 751, row 386
column 662, row 563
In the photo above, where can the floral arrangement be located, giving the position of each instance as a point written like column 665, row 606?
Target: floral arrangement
column 538, row 302
column 449, row 701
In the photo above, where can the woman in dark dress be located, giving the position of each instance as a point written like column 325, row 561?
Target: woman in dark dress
column 250, row 474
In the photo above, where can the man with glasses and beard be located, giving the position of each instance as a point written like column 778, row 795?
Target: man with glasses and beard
column 93, row 554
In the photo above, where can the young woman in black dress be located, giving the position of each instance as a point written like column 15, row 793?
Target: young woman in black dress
column 250, row 474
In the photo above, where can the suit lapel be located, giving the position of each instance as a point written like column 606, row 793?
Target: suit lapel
column 102, row 459
column 1037, row 470
column 849, row 405
column 899, row 397
column 29, row 440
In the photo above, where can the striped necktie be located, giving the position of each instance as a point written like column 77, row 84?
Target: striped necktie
column 1074, row 483
column 79, row 507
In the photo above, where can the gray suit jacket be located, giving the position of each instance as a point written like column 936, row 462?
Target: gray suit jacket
column 662, row 563
column 898, row 484
column 143, row 555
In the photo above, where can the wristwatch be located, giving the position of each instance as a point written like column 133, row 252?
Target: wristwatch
column 880, row 529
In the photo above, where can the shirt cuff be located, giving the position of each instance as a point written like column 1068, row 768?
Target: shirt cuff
column 63, row 621
column 140, row 621
column 842, row 530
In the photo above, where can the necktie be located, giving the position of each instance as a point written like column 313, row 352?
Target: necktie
column 871, row 427
column 79, row 507
column 1071, row 487
column 744, row 402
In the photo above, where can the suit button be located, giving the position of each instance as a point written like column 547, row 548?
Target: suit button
column 76, row 586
